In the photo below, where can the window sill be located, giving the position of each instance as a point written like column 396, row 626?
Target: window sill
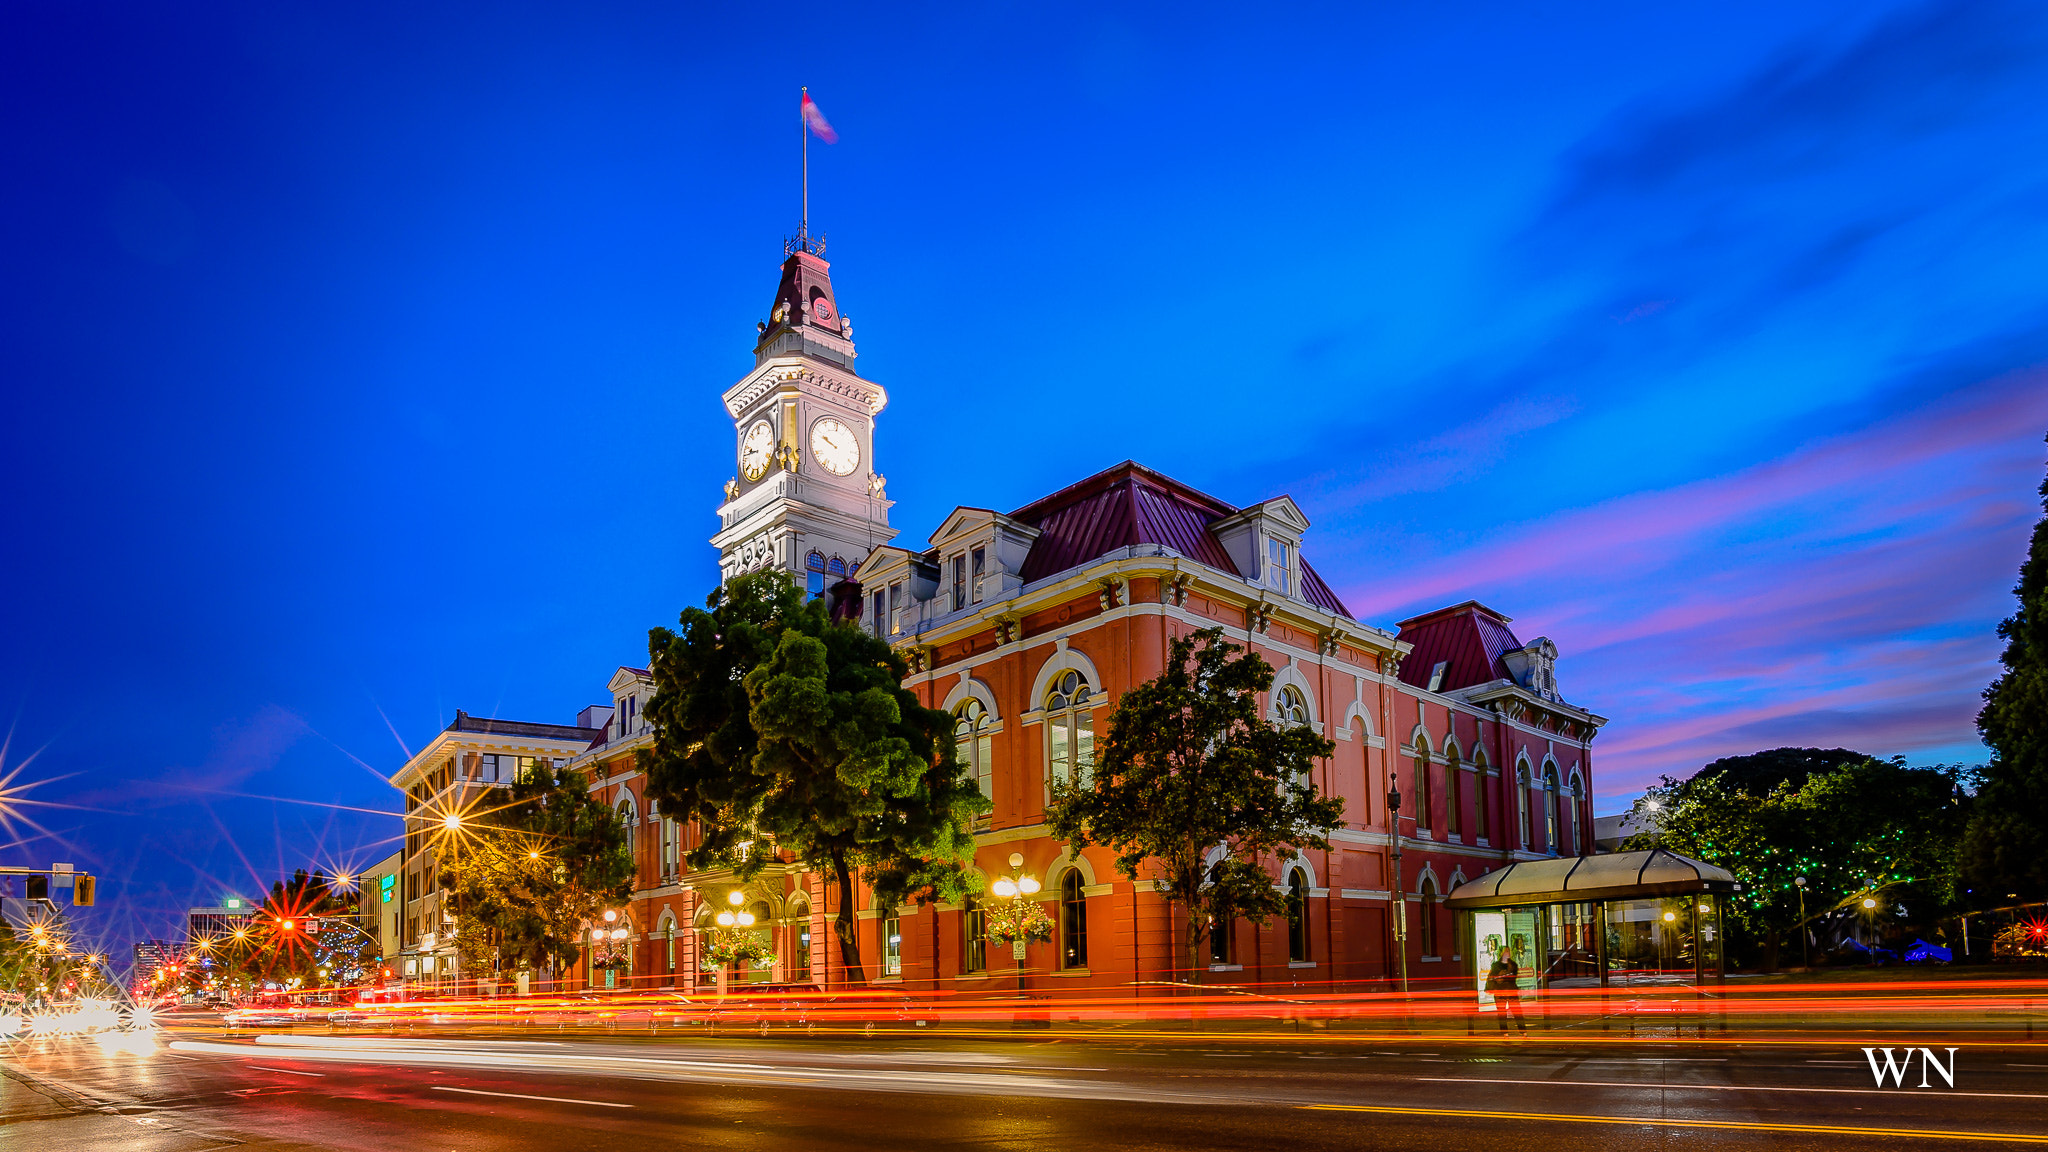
column 1430, row 959
column 1070, row 972
column 1301, row 963
column 982, row 975
column 1226, row 967
column 893, row 979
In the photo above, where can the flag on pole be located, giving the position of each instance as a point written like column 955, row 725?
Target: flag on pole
column 816, row 122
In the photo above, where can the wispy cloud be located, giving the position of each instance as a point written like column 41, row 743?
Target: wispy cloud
column 1840, row 594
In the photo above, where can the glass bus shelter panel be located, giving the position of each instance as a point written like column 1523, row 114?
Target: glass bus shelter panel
column 1574, row 958
column 1708, row 944
column 1653, row 940
column 1519, row 933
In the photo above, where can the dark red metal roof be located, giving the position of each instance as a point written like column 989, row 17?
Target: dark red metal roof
column 1470, row 637
column 1130, row 505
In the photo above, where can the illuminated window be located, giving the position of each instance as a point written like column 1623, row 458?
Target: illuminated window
column 1073, row 921
column 892, row 947
column 973, row 744
column 1070, row 729
column 974, row 937
column 629, row 819
column 1297, row 916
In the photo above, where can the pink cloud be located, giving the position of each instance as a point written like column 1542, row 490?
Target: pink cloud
column 1844, row 593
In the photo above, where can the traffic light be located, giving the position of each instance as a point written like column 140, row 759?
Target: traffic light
column 37, row 887
column 81, row 891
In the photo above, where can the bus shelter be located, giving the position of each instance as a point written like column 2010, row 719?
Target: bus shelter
column 1616, row 918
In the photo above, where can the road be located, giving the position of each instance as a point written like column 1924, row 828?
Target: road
column 201, row 1091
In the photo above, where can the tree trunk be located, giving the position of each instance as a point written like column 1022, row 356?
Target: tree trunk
column 1771, row 950
column 843, row 924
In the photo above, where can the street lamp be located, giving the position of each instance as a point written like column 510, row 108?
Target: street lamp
column 731, row 919
column 1804, row 961
column 1013, row 914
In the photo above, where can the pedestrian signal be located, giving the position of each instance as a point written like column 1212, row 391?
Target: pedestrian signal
column 81, row 891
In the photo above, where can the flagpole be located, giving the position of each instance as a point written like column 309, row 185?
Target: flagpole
column 803, row 130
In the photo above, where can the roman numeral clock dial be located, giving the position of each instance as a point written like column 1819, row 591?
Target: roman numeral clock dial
column 755, row 449
column 835, row 446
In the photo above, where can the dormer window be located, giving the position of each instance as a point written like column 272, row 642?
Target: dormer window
column 959, row 582
column 896, row 609
column 1279, row 565
column 980, row 556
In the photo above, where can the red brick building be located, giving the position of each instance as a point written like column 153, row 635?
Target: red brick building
column 1027, row 626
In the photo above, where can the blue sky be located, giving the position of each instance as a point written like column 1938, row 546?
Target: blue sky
column 363, row 364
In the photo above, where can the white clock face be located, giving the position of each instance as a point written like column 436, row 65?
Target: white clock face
column 835, row 446
column 755, row 448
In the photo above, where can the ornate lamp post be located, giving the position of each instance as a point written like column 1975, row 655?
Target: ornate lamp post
column 1800, row 883
column 1400, row 896
column 608, row 944
column 1018, row 920
column 732, row 942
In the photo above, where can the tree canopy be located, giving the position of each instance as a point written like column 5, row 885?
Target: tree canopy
column 532, row 874
column 1190, row 764
column 2005, row 850
column 773, row 722
column 1851, row 827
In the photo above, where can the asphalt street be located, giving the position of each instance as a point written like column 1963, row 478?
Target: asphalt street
column 204, row 1090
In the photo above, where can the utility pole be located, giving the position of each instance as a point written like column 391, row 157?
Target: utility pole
column 1400, row 897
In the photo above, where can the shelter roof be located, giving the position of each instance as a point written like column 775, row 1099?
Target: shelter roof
column 1611, row 876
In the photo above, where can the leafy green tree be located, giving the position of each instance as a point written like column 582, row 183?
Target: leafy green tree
column 1853, row 829
column 2005, row 851
column 773, row 722
column 533, row 873
column 1190, row 764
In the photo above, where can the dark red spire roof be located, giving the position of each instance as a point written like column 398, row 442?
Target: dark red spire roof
column 1469, row 638
column 1131, row 505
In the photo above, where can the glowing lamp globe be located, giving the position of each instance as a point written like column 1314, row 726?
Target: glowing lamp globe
column 1670, row 916
column 735, row 898
column 610, row 915
column 746, row 919
column 451, row 821
column 1869, row 903
column 1027, row 885
column 1004, row 887
column 725, row 920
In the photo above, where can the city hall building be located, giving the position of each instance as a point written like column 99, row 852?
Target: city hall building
column 1026, row 626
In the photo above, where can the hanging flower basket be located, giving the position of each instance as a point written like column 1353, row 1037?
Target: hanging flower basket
column 733, row 946
column 1019, row 920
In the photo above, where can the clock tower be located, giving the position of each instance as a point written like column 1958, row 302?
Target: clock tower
column 806, row 497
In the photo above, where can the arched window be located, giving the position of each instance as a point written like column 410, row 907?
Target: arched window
column 667, row 932
column 1522, row 802
column 1481, row 821
column 1290, row 706
column 628, row 819
column 1297, row 916
column 799, row 937
column 973, row 936
column 1454, row 797
column 814, row 573
column 1422, row 814
column 835, row 567
column 1073, row 921
column 1070, row 729
column 1222, row 946
column 1551, row 841
column 671, row 850
column 971, row 740
column 1572, row 815
column 1426, row 917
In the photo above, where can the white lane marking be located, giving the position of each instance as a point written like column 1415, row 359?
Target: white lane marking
column 286, row 1071
column 1718, row 1087
column 524, row 1096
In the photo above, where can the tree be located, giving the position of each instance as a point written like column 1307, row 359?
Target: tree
column 2005, row 850
column 532, row 874
column 773, row 722
column 1859, row 828
column 1189, row 765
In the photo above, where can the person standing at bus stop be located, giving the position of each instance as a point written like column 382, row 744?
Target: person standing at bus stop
column 1503, row 982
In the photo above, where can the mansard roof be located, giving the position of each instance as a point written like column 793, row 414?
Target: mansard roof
column 1469, row 638
column 1130, row 505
